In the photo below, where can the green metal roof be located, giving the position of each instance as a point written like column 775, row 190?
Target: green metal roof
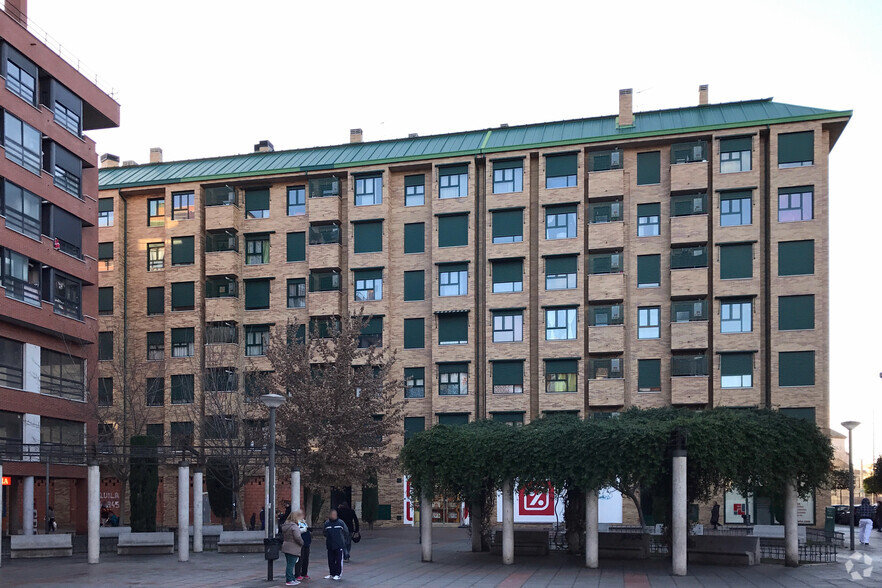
column 655, row 123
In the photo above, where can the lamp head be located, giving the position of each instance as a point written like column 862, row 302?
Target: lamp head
column 272, row 400
column 850, row 424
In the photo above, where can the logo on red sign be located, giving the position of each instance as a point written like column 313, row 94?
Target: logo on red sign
column 7, row 481
column 536, row 503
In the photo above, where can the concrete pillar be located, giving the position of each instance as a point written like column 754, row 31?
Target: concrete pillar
column 295, row 491
column 27, row 522
column 678, row 525
column 426, row 524
column 183, row 511
column 591, row 524
column 791, row 529
column 197, row 510
column 507, row 523
column 93, row 508
column 475, row 518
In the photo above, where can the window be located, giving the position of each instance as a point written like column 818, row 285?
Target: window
column 221, row 287
column 157, row 431
column 256, row 340
column 795, row 204
column 105, row 346
column 182, row 250
column 413, row 425
column 371, row 333
column 324, row 233
column 182, row 295
column 561, row 272
column 67, row 295
column 105, row 300
column 22, row 210
column 561, row 171
column 453, row 279
column 453, row 328
column 324, row 187
column 21, row 277
column 368, row 236
column 735, row 154
column 735, row 209
column 222, row 240
column 691, row 152
column 368, row 284
column 256, row 385
column 415, row 190
column 796, row 368
column 796, row 313
column 414, row 237
column 62, row 374
column 796, row 149
column 414, row 285
column 560, row 323
column 608, row 211
column 414, row 333
column 736, row 261
column 605, row 160
column 296, row 200
column 11, row 363
column 155, row 257
column 649, row 375
column 689, row 204
column 689, row 365
column 221, row 332
column 508, row 326
column 414, row 385
column 183, row 205
column 605, row 368
column 155, row 391
column 62, row 432
column 648, row 321
column 561, row 375
column 736, row 315
column 220, row 379
column 736, row 370
column 324, row 280
column 257, row 249
column 156, row 212
column 181, row 390
column 23, row 143
column 105, row 212
column 105, row 391
column 155, row 300
column 156, row 346
column 684, row 311
column 453, row 181
column 648, row 220
column 604, row 315
column 182, row 340
column 688, row 257
column 181, row 434
column 560, row 222
column 508, row 176
column 66, row 116
column 649, row 168
column 296, row 246
column 508, row 377
column 453, row 379
column 368, row 190
column 67, row 170
column 21, row 77
column 257, row 203
column 648, row 271
column 796, row 258
column 508, row 275
column 453, row 230
column 324, row 327
column 297, row 293
column 605, row 263
column 105, row 257
column 220, row 196
column 508, row 226
column 257, row 294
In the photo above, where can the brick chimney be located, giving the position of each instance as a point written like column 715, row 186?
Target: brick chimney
column 702, row 94
column 264, row 146
column 156, row 155
column 129, row 163
column 355, row 135
column 109, row 160
column 18, row 10
column 626, row 115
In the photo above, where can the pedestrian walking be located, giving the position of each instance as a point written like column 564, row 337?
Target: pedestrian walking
column 336, row 536
column 301, row 570
column 263, row 518
column 348, row 516
column 50, row 520
column 715, row 515
column 253, row 521
column 865, row 516
column 292, row 543
column 879, row 515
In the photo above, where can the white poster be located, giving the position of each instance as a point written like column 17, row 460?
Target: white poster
column 737, row 506
column 609, row 506
column 408, row 505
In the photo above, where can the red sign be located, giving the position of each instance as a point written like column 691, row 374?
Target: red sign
column 536, row 503
column 7, row 481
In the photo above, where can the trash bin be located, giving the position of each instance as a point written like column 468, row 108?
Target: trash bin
column 271, row 549
column 829, row 521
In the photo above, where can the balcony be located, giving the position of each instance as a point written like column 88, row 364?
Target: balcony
column 324, row 255
column 608, row 286
column 324, row 303
column 689, row 229
column 324, row 209
column 222, row 217
column 606, row 183
column 689, row 335
column 689, row 282
column 689, row 176
column 221, row 309
column 606, row 235
column 219, row 263
column 606, row 339
column 607, row 392
column 689, row 390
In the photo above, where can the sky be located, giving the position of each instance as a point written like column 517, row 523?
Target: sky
column 202, row 78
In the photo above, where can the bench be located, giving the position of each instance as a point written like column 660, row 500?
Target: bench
column 240, row 542
column 724, row 550
column 525, row 542
column 113, row 531
column 159, row 543
column 34, row 546
column 775, row 532
column 618, row 545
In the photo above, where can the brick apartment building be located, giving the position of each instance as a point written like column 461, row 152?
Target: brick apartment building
column 675, row 257
column 49, row 244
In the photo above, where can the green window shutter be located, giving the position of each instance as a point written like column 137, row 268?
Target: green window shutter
column 453, row 327
column 508, row 270
column 509, row 164
column 371, row 274
column 653, row 209
column 735, row 195
column 565, row 264
column 257, row 294
column 256, row 199
column 453, row 230
column 796, row 258
column 156, row 300
column 412, row 426
column 736, row 144
column 415, row 285
column 453, row 419
column 105, row 205
column 182, row 295
column 414, row 237
column 796, row 147
column 373, row 326
column 516, row 418
column 508, row 373
column 453, row 368
column 414, row 333
column 105, row 250
column 561, row 165
column 796, row 312
column 649, row 168
column 105, row 345
column 508, row 223
column 736, row 364
column 156, row 338
column 568, row 209
column 806, row 413
column 648, row 373
column 105, row 299
column 368, row 237
column 417, row 180
column 796, row 368
column 182, row 250
column 736, row 261
column 183, row 335
column 648, row 269
column 297, row 246
column 561, row 366
column 453, row 170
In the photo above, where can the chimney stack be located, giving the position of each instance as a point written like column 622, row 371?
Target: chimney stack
column 626, row 115
column 413, row 135
column 109, row 160
column 18, row 10
column 264, row 146
column 156, row 155
column 702, row 95
column 355, row 135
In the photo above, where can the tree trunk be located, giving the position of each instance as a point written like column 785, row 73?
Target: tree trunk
column 240, row 509
column 636, row 501
column 122, row 502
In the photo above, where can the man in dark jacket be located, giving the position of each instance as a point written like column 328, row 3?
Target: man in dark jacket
column 336, row 536
column 348, row 516
column 865, row 516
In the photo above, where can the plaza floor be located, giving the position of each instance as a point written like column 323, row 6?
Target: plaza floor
column 391, row 558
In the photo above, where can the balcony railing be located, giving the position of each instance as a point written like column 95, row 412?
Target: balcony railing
column 688, row 152
column 21, row 290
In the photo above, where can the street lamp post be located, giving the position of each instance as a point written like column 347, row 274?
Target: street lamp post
column 272, row 401
column 850, row 425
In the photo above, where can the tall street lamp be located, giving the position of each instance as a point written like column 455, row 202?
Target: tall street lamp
column 850, row 425
column 274, row 401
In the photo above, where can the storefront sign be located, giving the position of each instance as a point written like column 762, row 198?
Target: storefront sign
column 7, row 481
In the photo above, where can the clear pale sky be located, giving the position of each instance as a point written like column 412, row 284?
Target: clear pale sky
column 202, row 78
